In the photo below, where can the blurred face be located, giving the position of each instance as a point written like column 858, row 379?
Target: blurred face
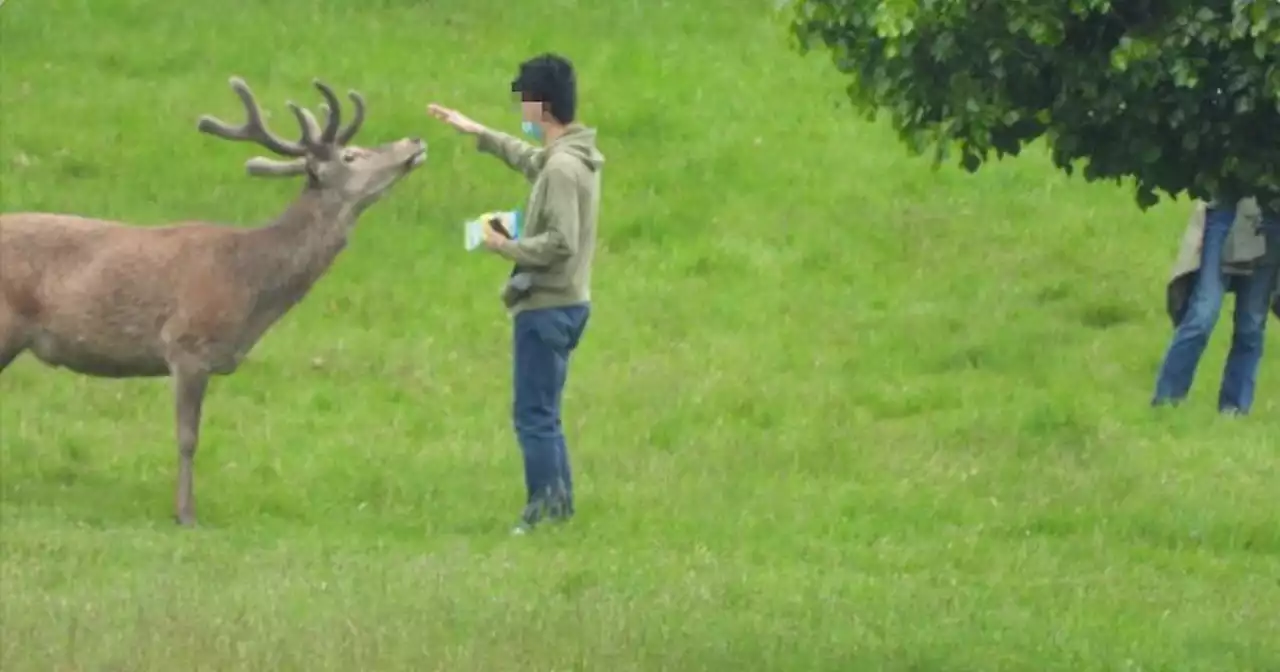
column 530, row 110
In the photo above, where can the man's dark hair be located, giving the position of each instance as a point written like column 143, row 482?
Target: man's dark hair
column 549, row 79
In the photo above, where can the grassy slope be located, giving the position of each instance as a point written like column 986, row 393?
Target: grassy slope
column 834, row 412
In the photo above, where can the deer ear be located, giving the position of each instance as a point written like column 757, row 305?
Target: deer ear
column 260, row 166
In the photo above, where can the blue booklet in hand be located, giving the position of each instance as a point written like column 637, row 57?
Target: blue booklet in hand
column 505, row 222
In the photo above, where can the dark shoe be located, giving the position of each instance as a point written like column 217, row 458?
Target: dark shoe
column 560, row 503
column 559, row 510
column 552, row 505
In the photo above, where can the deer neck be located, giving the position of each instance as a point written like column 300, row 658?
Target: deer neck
column 290, row 254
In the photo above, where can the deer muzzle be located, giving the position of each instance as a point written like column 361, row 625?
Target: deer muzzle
column 419, row 155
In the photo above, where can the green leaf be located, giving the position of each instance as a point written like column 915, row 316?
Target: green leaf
column 1167, row 97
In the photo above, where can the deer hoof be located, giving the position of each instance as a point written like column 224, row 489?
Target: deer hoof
column 185, row 520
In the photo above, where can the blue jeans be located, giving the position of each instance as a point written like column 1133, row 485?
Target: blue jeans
column 543, row 340
column 1253, row 294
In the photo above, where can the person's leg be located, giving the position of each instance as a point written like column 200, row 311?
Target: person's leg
column 1253, row 311
column 560, row 497
column 533, row 410
column 1253, row 307
column 1178, row 369
column 543, row 341
column 563, row 467
column 579, row 316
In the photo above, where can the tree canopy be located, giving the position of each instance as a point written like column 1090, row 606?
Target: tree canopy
column 1181, row 96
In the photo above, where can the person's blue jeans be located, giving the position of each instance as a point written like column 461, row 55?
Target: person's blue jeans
column 543, row 340
column 1253, row 294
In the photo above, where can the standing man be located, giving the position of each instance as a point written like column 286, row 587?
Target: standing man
column 1228, row 246
column 549, row 291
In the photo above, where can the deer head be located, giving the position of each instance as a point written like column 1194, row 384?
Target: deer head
column 356, row 175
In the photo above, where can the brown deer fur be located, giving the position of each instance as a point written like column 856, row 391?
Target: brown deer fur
column 191, row 299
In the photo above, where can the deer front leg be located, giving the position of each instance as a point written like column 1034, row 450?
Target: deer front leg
column 189, row 389
column 12, row 340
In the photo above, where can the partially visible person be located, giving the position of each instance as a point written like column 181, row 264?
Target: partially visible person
column 1226, row 248
column 549, row 290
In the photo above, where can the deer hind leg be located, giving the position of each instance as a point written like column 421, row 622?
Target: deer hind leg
column 188, row 391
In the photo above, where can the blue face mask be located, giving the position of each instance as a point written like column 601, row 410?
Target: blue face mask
column 531, row 129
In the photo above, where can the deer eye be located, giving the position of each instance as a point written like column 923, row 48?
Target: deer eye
column 348, row 156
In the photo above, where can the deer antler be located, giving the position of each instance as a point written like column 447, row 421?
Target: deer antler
column 261, row 166
column 332, row 110
column 314, row 142
column 356, row 121
column 255, row 129
column 333, row 119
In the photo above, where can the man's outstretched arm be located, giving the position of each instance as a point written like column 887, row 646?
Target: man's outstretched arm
column 518, row 154
column 521, row 156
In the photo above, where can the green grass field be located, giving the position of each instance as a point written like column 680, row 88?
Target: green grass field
column 835, row 411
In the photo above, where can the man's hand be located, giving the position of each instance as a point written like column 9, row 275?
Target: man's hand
column 492, row 239
column 456, row 119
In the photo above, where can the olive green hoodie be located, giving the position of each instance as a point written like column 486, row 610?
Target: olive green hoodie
column 558, row 232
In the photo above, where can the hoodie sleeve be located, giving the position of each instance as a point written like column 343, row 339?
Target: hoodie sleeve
column 516, row 153
column 559, row 240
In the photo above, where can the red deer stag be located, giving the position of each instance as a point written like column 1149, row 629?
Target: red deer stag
column 191, row 299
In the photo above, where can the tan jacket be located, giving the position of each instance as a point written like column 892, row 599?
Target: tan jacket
column 1243, row 246
column 556, row 247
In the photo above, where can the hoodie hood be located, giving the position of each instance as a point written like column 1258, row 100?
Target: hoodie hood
column 579, row 142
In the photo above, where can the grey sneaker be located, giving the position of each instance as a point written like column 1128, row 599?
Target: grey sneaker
column 532, row 514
